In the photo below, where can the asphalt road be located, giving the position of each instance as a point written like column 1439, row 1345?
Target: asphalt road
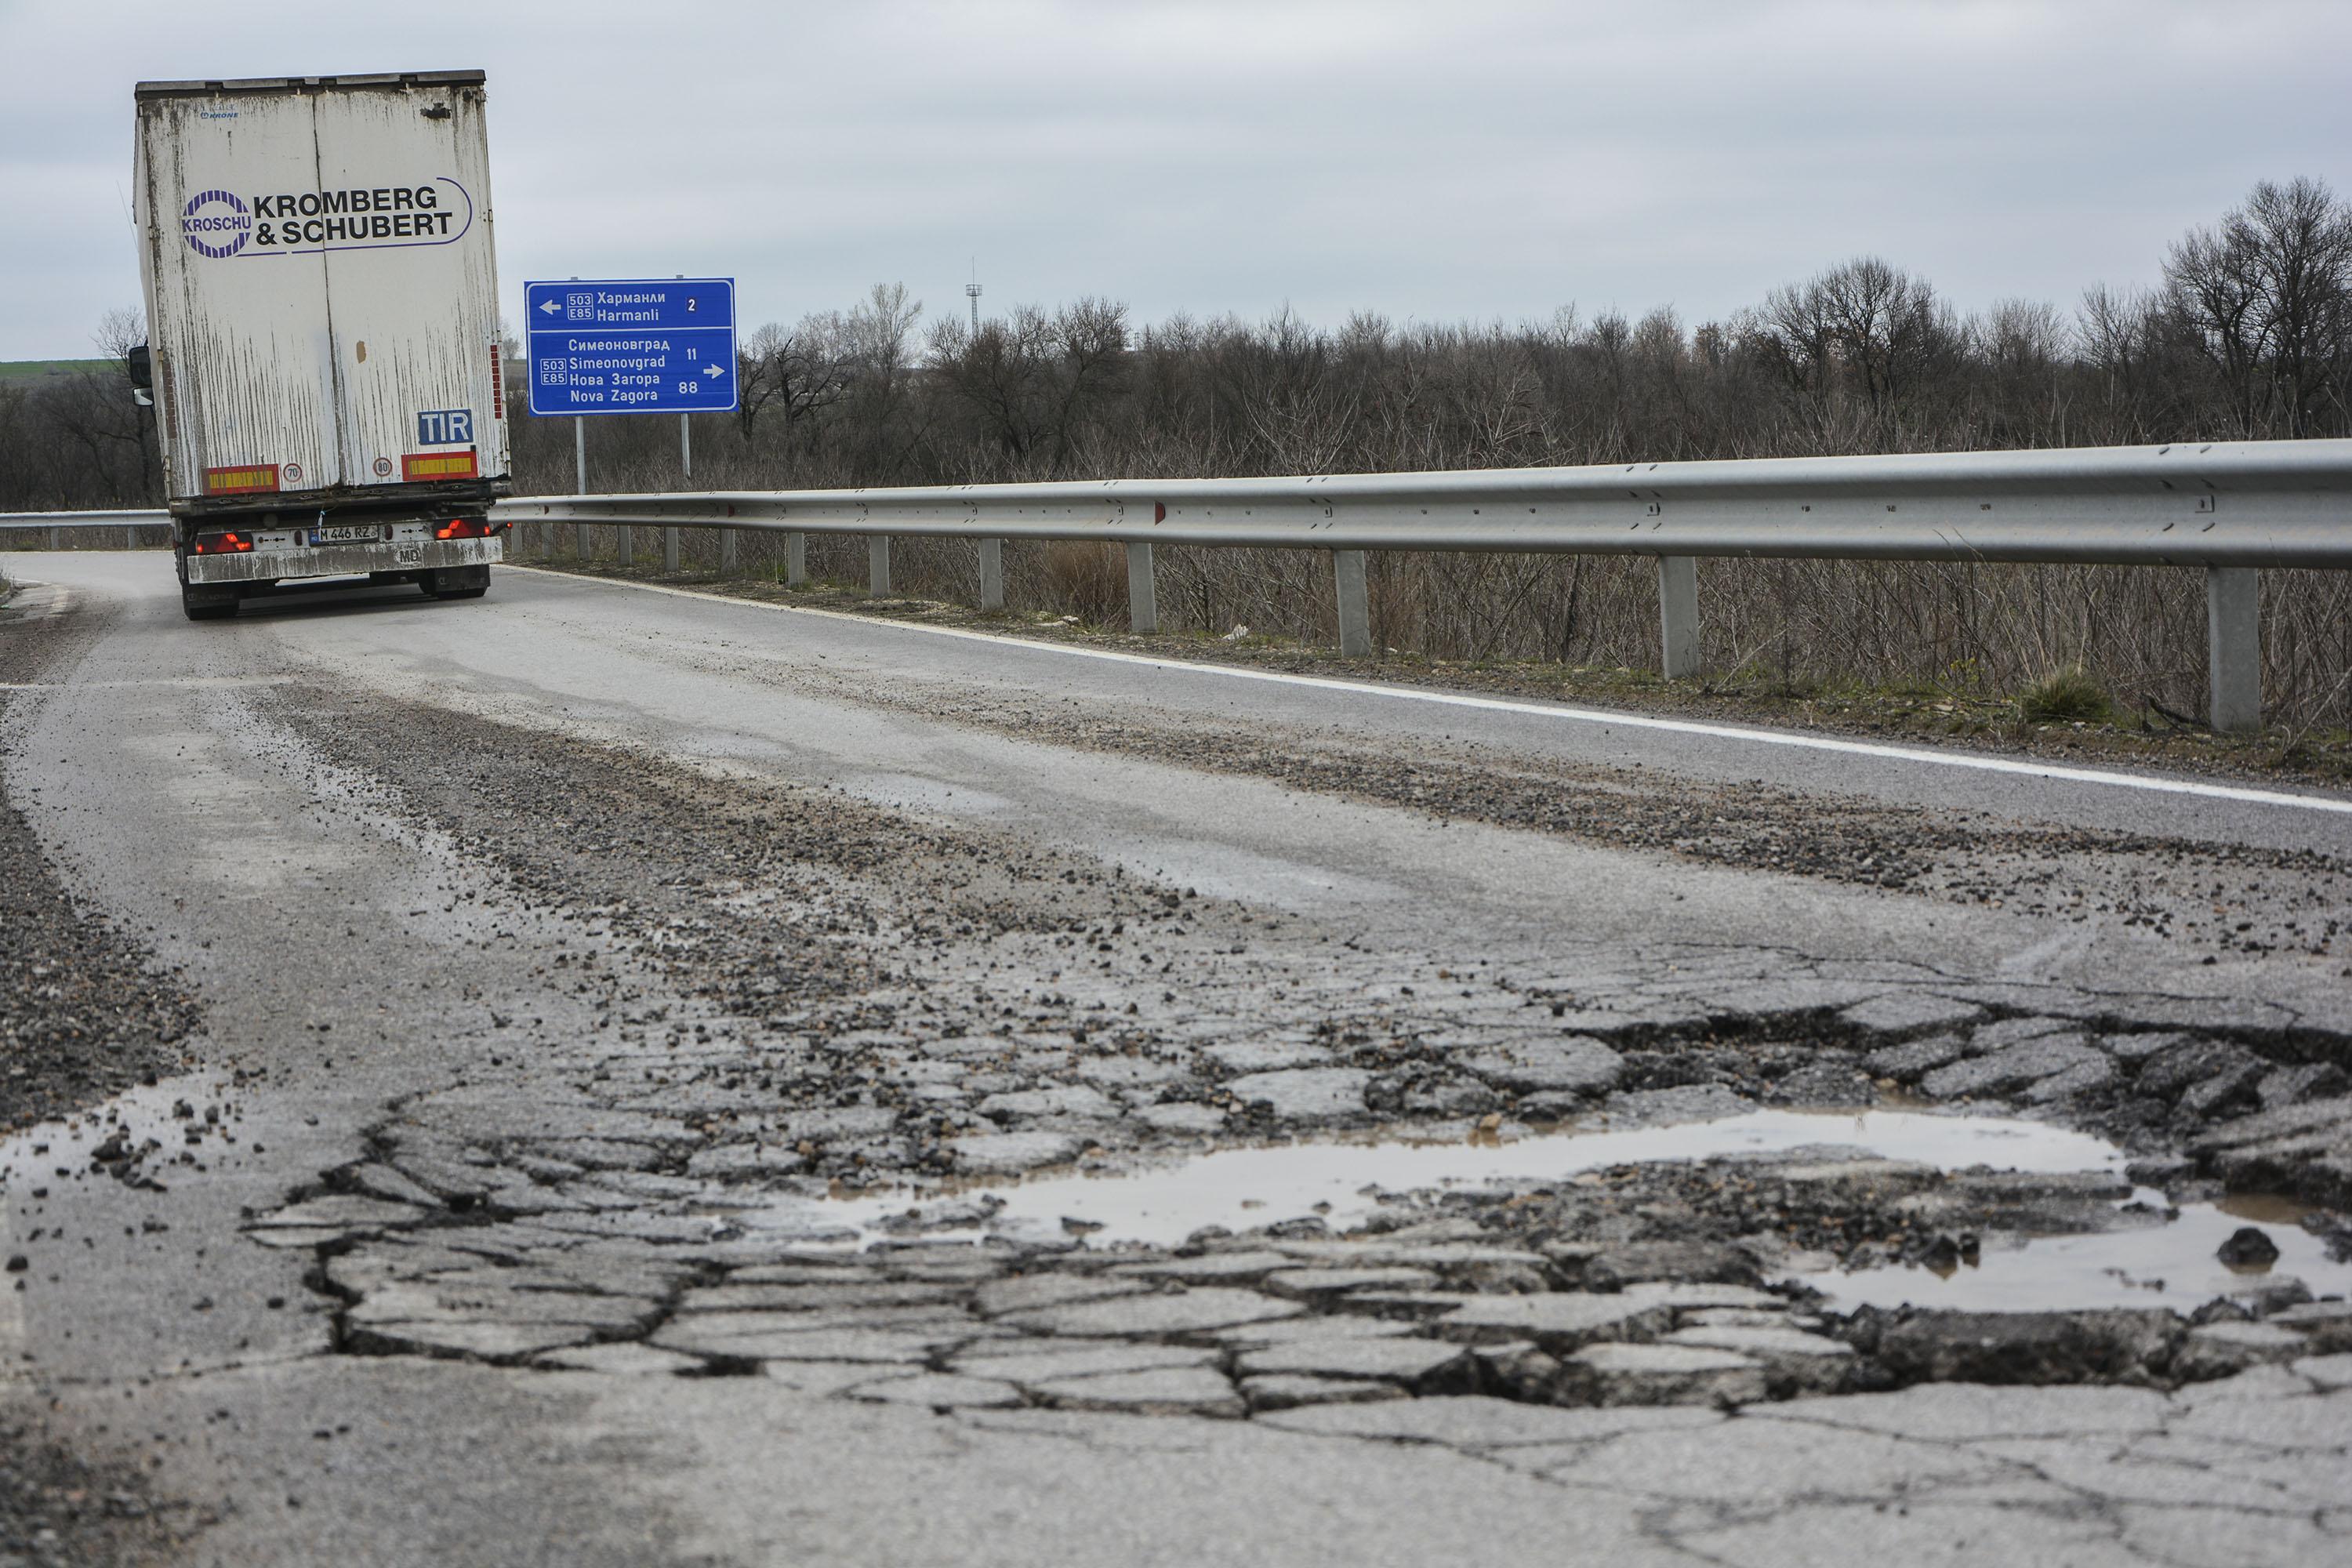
column 729, row 683
column 373, row 934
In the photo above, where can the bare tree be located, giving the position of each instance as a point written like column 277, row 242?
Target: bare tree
column 799, row 373
column 2268, row 294
column 1090, row 340
column 97, row 435
column 119, row 330
column 1003, row 374
column 871, row 344
column 2021, row 346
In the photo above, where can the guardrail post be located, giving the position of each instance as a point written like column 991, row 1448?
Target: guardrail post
column 878, row 565
column 2233, row 666
column 991, row 574
column 669, row 546
column 1355, row 604
column 796, row 561
column 1678, row 616
column 1142, row 591
column 726, row 549
column 53, row 537
column 130, row 536
column 628, row 544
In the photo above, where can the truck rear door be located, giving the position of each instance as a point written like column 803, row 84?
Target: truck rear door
column 411, row 285
column 242, row 339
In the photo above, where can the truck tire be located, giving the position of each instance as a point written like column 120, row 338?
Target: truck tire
column 208, row 602
column 458, row 583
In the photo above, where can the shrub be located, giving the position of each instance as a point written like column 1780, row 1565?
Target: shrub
column 2064, row 696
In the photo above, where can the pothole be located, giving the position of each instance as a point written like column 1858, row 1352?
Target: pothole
column 1342, row 1183
column 1757, row 1255
column 2159, row 1256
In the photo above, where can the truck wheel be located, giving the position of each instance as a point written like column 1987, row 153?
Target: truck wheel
column 207, row 601
column 458, row 583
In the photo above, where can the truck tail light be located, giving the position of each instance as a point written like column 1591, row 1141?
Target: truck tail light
column 466, row 528
column 223, row 543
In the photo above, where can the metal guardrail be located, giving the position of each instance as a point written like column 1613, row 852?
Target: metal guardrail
column 130, row 523
column 2235, row 504
column 2231, row 508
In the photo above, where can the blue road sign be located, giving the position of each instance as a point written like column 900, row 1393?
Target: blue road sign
column 652, row 345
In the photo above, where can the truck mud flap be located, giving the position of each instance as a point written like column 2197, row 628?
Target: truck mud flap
column 458, row 582
column 208, row 601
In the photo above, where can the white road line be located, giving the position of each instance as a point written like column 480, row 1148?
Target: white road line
column 1537, row 710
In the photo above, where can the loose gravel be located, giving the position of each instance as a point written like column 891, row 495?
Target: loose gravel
column 85, row 1012
column 2232, row 899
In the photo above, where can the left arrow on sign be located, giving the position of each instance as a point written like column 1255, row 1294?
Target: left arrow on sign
column 549, row 306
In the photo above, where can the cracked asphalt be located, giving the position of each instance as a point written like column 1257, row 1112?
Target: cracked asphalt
column 598, row 1040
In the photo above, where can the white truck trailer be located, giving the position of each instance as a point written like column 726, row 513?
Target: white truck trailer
column 323, row 342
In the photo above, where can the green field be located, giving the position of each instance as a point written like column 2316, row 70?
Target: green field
column 16, row 370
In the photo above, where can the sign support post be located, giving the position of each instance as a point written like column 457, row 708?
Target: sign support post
column 685, row 462
column 580, row 481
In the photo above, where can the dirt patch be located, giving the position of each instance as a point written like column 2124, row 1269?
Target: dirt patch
column 61, row 1510
column 84, row 1010
column 756, row 894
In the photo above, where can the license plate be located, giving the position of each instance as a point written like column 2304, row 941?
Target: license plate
column 348, row 534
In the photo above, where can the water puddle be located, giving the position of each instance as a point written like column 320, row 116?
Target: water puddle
column 1339, row 1180
column 2167, row 1262
column 2151, row 1257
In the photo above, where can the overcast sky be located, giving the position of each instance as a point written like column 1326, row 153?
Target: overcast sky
column 1457, row 159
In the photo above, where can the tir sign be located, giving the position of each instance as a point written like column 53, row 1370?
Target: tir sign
column 445, row 427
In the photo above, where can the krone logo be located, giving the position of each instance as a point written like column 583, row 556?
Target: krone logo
column 216, row 223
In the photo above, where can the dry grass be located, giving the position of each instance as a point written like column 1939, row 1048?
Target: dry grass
column 1088, row 581
column 2065, row 696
